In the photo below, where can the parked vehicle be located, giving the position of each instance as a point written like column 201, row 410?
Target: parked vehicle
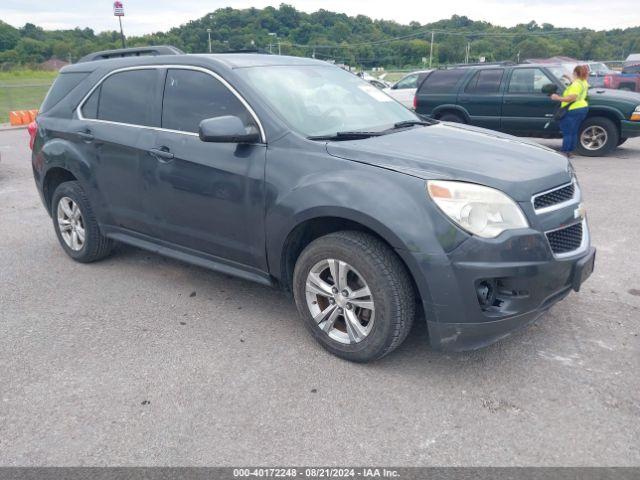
column 405, row 89
column 597, row 73
column 515, row 99
column 628, row 79
column 380, row 85
column 323, row 186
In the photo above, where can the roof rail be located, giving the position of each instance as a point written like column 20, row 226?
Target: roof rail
column 132, row 52
column 248, row 50
column 505, row 63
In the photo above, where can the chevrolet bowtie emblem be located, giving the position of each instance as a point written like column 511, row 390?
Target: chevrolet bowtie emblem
column 580, row 212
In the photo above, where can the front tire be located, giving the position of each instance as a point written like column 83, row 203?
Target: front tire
column 76, row 226
column 597, row 137
column 354, row 294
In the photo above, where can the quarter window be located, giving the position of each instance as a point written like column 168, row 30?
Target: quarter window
column 528, row 80
column 191, row 96
column 442, row 81
column 485, row 82
column 90, row 107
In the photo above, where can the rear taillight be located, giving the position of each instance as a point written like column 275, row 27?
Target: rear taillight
column 607, row 81
column 32, row 128
column 415, row 101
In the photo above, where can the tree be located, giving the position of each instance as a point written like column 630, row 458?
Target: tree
column 343, row 38
column 9, row 36
column 32, row 51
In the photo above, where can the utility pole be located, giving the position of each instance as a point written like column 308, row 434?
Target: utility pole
column 431, row 49
column 466, row 60
column 273, row 35
column 209, row 36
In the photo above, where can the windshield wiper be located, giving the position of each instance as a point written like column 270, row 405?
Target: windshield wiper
column 411, row 123
column 355, row 135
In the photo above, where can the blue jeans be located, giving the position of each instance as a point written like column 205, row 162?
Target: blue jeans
column 569, row 126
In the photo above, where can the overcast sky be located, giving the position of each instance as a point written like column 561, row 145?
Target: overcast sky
column 146, row 16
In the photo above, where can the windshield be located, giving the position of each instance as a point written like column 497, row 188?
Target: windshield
column 599, row 68
column 324, row 100
column 564, row 72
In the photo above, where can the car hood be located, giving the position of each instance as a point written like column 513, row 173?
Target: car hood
column 604, row 96
column 461, row 152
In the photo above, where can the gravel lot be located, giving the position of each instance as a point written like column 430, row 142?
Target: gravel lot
column 142, row 360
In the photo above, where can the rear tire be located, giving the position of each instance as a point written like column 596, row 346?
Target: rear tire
column 597, row 137
column 452, row 117
column 384, row 317
column 76, row 226
column 622, row 140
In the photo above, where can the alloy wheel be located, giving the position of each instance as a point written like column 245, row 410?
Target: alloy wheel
column 71, row 224
column 594, row 137
column 340, row 301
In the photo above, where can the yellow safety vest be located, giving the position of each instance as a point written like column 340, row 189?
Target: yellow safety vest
column 580, row 88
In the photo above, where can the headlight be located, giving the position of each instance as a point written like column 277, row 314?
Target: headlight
column 482, row 211
column 636, row 114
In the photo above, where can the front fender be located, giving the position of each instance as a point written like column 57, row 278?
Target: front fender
column 595, row 110
column 393, row 205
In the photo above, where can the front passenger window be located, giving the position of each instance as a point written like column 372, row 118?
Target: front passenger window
column 191, row 96
column 528, row 80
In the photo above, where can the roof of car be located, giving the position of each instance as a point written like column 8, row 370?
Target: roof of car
column 494, row 66
column 230, row 60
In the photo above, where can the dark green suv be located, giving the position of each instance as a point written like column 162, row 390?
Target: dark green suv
column 515, row 99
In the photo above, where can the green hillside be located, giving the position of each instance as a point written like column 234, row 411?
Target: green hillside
column 357, row 40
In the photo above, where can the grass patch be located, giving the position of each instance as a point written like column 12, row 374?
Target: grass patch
column 23, row 90
column 17, row 77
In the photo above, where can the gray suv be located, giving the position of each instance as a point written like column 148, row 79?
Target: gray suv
column 294, row 173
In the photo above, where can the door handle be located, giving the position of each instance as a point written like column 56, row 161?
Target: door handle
column 162, row 154
column 85, row 135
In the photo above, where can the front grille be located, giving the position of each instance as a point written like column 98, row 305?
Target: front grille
column 565, row 239
column 554, row 197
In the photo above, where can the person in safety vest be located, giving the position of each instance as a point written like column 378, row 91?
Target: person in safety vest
column 574, row 100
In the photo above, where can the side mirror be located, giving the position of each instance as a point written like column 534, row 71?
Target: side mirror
column 227, row 129
column 394, row 86
column 549, row 89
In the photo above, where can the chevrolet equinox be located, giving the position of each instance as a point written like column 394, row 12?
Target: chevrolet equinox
column 294, row 173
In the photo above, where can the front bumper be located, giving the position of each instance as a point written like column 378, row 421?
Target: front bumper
column 527, row 279
column 629, row 129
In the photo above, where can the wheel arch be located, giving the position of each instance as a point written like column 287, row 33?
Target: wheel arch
column 610, row 113
column 450, row 108
column 64, row 161
column 316, row 224
column 53, row 177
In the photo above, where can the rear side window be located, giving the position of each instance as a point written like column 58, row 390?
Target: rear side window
column 125, row 97
column 191, row 96
column 485, row 82
column 61, row 88
column 442, row 81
